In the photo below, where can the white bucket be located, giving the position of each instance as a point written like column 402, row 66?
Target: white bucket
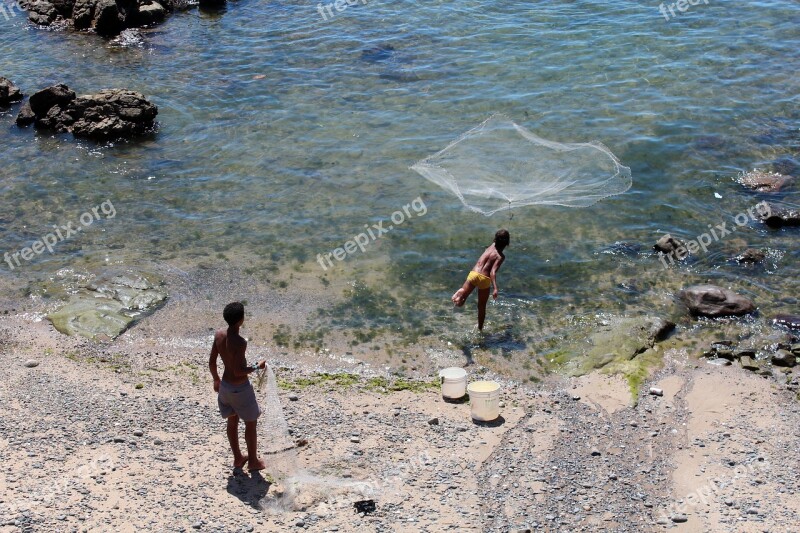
column 454, row 383
column 484, row 398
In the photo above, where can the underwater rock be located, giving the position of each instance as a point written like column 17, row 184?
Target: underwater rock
column 107, row 115
column 713, row 301
column 381, row 52
column 777, row 217
column 763, row 181
column 104, row 309
column 9, row 93
column 790, row 321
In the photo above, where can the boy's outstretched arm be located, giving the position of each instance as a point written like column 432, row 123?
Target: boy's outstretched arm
column 212, row 364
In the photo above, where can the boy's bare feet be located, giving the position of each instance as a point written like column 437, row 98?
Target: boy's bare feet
column 240, row 462
column 258, row 464
column 458, row 298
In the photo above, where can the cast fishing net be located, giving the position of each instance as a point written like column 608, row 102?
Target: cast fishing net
column 274, row 440
column 501, row 165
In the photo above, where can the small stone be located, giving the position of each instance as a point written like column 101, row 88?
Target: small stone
column 31, row 363
column 655, row 391
column 575, row 397
column 752, row 510
column 434, row 421
column 197, row 525
column 158, row 442
column 138, row 433
column 679, row 518
column 595, row 452
column 748, row 363
column 300, row 523
column 501, row 404
column 355, row 440
column 293, row 397
column 796, row 349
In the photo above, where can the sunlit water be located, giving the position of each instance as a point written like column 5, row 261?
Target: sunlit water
column 280, row 139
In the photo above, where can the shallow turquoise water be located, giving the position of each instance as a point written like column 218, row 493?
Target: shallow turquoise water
column 277, row 137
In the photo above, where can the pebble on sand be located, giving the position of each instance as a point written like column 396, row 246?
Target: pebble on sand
column 31, row 363
column 655, row 391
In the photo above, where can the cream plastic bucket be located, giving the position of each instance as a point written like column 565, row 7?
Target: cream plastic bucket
column 484, row 398
column 454, row 383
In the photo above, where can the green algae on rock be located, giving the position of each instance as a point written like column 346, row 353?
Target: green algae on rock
column 106, row 307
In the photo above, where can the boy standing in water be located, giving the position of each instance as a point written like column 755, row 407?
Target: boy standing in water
column 484, row 275
column 236, row 397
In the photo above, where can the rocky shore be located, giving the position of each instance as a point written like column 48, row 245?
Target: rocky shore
column 124, row 435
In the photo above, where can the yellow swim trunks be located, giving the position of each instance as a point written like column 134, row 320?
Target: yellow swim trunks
column 479, row 280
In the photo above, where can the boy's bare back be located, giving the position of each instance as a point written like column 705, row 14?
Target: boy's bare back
column 490, row 259
column 231, row 347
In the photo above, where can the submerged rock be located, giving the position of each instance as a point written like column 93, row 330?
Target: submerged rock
column 669, row 245
column 790, row 321
column 713, row 301
column 763, row 181
column 104, row 309
column 9, row 93
column 751, row 255
column 107, row 115
column 627, row 337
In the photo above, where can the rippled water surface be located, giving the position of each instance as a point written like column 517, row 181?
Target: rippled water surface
column 283, row 134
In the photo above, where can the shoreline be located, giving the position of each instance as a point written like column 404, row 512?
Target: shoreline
column 565, row 444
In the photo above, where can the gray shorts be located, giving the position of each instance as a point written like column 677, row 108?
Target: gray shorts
column 238, row 400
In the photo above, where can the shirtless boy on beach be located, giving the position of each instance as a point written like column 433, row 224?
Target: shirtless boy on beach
column 484, row 275
column 236, row 397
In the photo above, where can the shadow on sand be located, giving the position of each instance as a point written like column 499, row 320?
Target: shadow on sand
column 497, row 422
column 251, row 489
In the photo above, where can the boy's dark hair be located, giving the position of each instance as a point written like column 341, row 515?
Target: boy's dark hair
column 501, row 239
column 233, row 313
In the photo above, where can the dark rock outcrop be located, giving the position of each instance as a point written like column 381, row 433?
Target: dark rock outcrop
column 9, row 93
column 109, row 114
column 783, row 358
column 777, row 217
column 106, row 17
column 713, row 301
column 26, row 116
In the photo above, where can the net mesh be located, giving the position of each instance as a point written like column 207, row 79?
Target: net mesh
column 274, row 439
column 500, row 165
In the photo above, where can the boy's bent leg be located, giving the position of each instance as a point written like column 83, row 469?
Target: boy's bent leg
column 462, row 294
column 483, row 297
column 233, row 438
column 251, row 438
